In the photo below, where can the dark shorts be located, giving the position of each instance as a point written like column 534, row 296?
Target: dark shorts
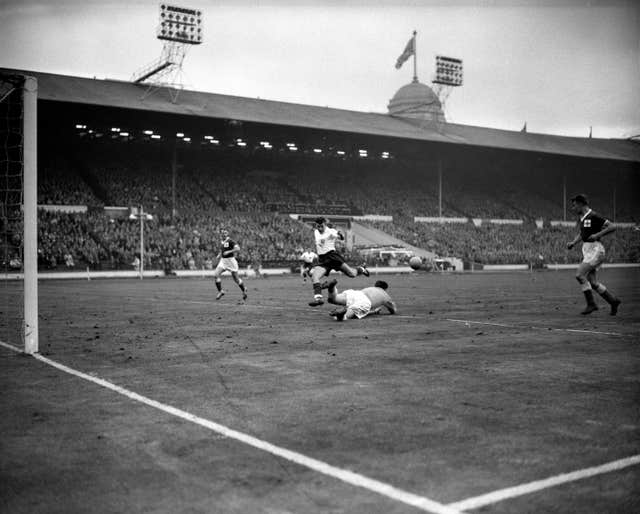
column 331, row 261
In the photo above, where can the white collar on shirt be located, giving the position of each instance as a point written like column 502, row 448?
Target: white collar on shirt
column 585, row 215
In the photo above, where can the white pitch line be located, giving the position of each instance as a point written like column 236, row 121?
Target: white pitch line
column 522, row 327
column 479, row 323
column 589, row 331
column 520, row 490
column 349, row 477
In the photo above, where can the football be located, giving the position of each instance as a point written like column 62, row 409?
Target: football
column 415, row 262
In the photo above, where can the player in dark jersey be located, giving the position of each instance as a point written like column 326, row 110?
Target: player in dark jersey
column 228, row 262
column 592, row 228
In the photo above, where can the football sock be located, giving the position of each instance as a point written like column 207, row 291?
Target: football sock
column 591, row 304
column 611, row 300
column 219, row 285
column 588, row 296
column 606, row 295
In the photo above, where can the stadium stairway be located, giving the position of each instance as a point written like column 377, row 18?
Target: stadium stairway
column 90, row 179
column 372, row 236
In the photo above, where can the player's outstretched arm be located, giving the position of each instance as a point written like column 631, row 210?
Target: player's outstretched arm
column 391, row 307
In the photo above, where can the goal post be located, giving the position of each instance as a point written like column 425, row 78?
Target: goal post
column 18, row 212
column 30, row 208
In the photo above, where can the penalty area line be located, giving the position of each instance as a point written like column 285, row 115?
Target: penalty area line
column 344, row 475
column 538, row 485
column 522, row 327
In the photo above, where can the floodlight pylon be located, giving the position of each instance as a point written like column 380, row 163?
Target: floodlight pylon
column 442, row 91
column 448, row 75
column 179, row 27
column 164, row 72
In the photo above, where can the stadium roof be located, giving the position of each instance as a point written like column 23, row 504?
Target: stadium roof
column 127, row 95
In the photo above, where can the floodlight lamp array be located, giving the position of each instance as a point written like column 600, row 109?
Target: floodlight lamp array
column 146, row 134
column 180, row 24
column 448, row 71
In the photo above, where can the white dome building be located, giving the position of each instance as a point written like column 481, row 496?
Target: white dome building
column 416, row 101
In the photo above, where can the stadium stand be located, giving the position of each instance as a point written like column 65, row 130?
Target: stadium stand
column 252, row 197
column 209, row 200
column 99, row 153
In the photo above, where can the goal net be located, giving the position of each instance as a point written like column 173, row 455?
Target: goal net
column 18, row 212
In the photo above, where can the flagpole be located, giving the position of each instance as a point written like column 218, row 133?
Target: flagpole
column 415, row 58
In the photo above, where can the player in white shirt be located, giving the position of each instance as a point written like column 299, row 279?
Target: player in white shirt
column 308, row 260
column 329, row 259
column 361, row 302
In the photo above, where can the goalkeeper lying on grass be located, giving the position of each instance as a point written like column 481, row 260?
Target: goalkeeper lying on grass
column 359, row 303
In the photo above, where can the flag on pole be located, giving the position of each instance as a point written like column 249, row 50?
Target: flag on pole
column 409, row 50
column 524, row 128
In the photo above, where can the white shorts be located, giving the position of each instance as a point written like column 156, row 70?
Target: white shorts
column 593, row 253
column 227, row 264
column 358, row 303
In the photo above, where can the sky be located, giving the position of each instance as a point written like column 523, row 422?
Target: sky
column 560, row 66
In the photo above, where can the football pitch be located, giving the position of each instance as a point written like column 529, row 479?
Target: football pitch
column 488, row 392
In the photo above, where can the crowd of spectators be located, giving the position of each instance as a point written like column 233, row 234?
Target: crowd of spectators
column 95, row 240
column 191, row 201
column 61, row 185
column 98, row 241
column 64, row 238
